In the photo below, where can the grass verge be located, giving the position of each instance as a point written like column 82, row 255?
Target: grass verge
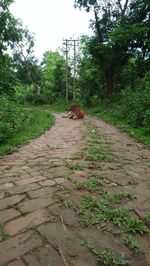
column 142, row 134
column 42, row 121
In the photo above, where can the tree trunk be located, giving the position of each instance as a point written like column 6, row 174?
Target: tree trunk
column 109, row 84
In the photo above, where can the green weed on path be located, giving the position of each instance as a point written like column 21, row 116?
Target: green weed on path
column 142, row 134
column 132, row 243
column 107, row 257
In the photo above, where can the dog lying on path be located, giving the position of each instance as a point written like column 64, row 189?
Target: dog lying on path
column 74, row 112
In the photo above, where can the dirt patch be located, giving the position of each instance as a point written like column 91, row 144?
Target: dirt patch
column 92, row 182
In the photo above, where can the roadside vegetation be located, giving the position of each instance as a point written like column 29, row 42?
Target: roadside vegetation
column 19, row 124
column 112, row 83
column 113, row 72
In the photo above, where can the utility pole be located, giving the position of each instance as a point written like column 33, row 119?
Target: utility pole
column 74, row 70
column 66, row 52
column 68, row 43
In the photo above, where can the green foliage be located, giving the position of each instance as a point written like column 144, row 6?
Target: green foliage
column 7, row 75
column 91, row 184
column 53, row 75
column 121, row 33
column 10, row 35
column 24, row 93
column 12, row 118
column 147, row 219
column 21, row 66
column 116, row 197
column 9, row 30
column 98, row 153
column 133, row 225
column 76, row 166
column 130, row 110
column 107, row 257
column 26, row 65
column 18, row 124
column 132, row 243
column 90, row 81
column 59, row 106
column 67, row 203
column 29, row 94
column 95, row 211
column 135, row 103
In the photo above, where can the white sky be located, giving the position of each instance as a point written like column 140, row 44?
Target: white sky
column 51, row 21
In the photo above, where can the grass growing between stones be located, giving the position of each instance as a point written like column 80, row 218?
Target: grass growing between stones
column 101, row 209
column 76, row 166
column 142, row 134
column 97, row 211
column 97, row 149
column 107, row 257
column 92, row 183
column 132, row 244
column 117, row 196
column 67, row 203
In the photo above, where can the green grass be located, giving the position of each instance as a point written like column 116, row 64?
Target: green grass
column 106, row 257
column 89, row 185
column 42, row 121
column 76, row 166
column 142, row 134
column 132, row 243
column 59, row 106
column 66, row 176
column 67, row 203
column 53, row 165
column 95, row 150
column 109, row 257
column 147, row 219
column 117, row 196
column 95, row 211
column 132, row 225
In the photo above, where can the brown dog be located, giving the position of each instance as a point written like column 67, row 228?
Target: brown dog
column 75, row 112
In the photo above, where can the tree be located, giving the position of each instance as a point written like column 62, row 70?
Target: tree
column 90, row 79
column 28, row 70
column 53, row 74
column 9, row 27
column 119, row 30
column 10, row 33
column 7, row 75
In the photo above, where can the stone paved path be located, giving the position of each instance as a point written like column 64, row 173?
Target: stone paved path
column 37, row 186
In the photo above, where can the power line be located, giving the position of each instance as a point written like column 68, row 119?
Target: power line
column 68, row 43
column 66, row 52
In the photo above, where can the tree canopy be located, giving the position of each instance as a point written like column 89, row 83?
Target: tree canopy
column 121, row 29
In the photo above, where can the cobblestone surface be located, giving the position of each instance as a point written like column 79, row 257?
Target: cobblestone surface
column 36, row 227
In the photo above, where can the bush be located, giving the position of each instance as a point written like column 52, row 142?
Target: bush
column 28, row 94
column 135, row 103
column 5, row 131
column 12, row 119
column 24, row 93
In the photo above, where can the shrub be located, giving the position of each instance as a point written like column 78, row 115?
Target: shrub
column 135, row 103
column 12, row 118
column 24, row 93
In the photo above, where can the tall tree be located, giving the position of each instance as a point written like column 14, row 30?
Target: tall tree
column 10, row 33
column 54, row 71
column 90, row 82
column 9, row 30
column 7, row 74
column 119, row 26
column 25, row 62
